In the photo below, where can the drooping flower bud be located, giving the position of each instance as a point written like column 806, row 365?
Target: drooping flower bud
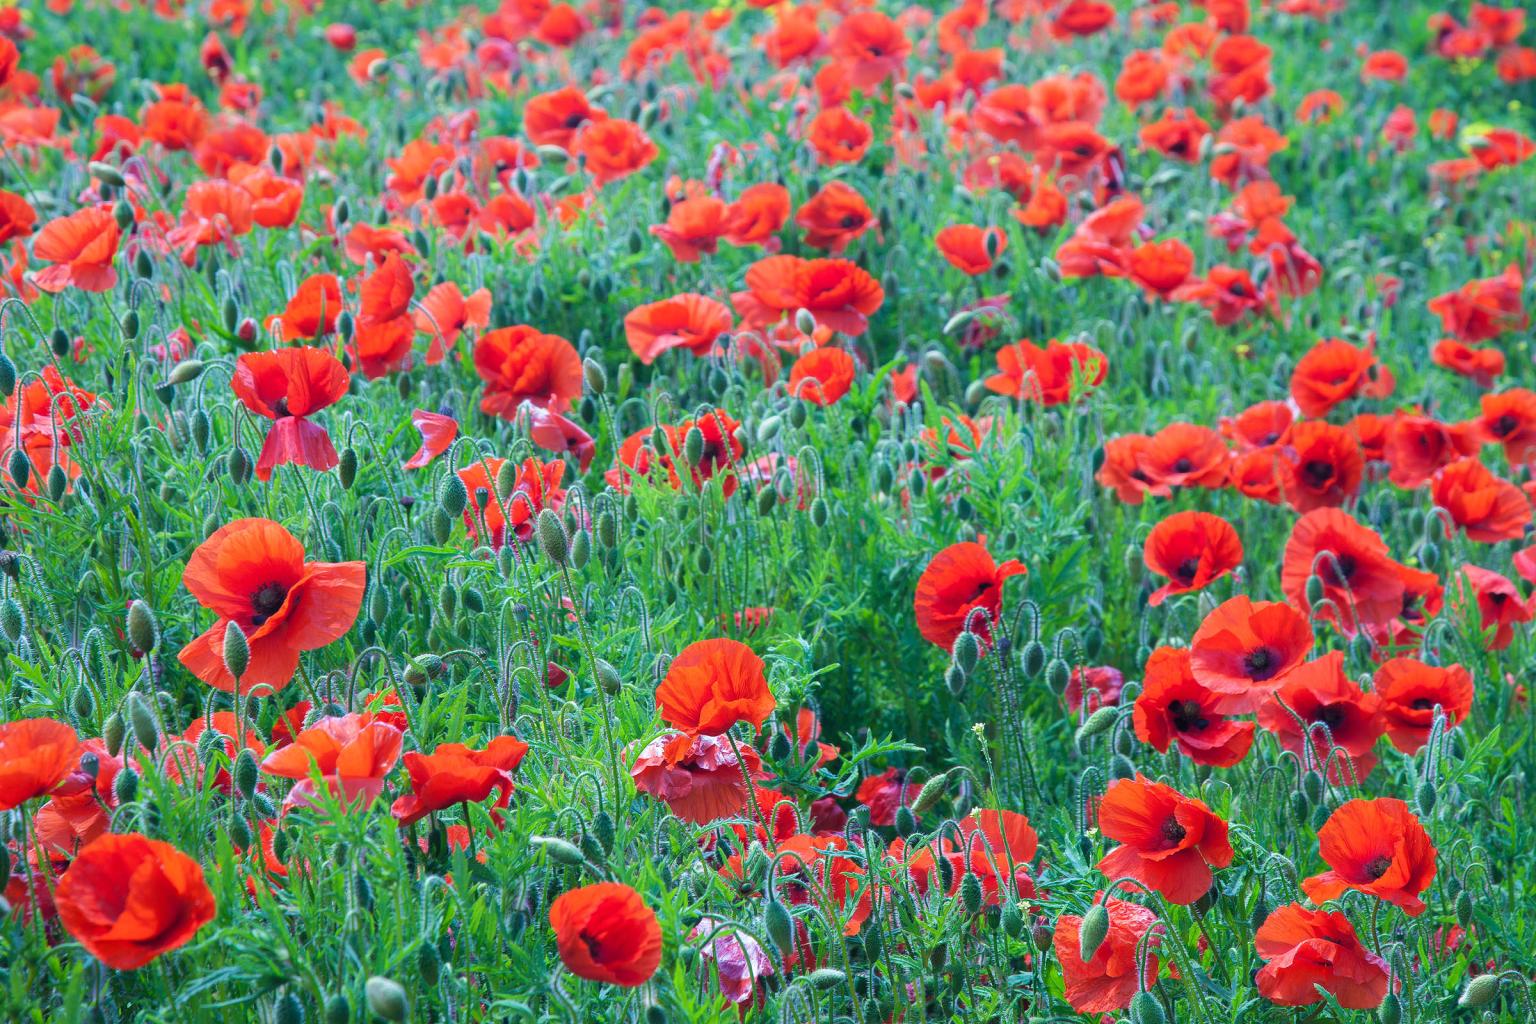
column 237, row 650
column 1092, row 931
column 552, row 538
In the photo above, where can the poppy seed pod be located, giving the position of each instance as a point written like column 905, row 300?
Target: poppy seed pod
column 143, row 630
column 1092, row 931
column 184, row 372
column 237, row 650
column 386, row 998
column 552, row 538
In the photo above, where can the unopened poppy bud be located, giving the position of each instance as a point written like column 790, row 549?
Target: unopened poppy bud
column 608, row 677
column 346, row 325
column 113, row 732
column 820, row 513
column 768, row 429
column 1464, row 908
column 1391, row 1010
column 1480, row 991
column 1314, row 589
column 693, row 446
column 1145, row 1009
column 805, row 321
column 1058, row 674
column 122, row 213
column 1032, row 658
column 237, row 650
column 239, row 465
column 594, row 374
column 12, row 620
column 125, row 785
column 966, row 651
column 602, row 830
column 607, row 529
column 970, row 893
column 131, row 324
column 905, row 821
column 143, row 265
column 143, row 630
column 385, row 997
column 347, row 467
column 561, row 850
column 1092, row 931
column 7, row 375
column 766, row 499
column 245, row 773
column 142, row 720
column 289, row 1010
column 955, row 680
column 20, row 468
column 798, row 413
column 1425, row 797
column 1098, row 722
column 826, row 978
column 933, row 791
column 453, row 496
column 779, row 926
column 552, row 538
column 581, row 549
column 917, row 483
column 106, row 174
column 429, row 963
column 337, row 1010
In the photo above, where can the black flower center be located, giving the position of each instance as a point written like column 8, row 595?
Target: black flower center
column 1505, row 425
column 1187, row 717
column 1187, row 569
column 1378, row 867
column 1183, row 465
column 1318, row 472
column 266, row 601
column 1260, row 663
column 1173, row 831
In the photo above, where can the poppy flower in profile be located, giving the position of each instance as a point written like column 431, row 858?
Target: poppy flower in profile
column 446, row 313
column 252, row 572
column 128, row 899
column 1169, row 842
column 1333, row 371
column 1362, row 583
column 1176, row 708
column 1109, row 981
column 758, row 215
column 994, row 846
column 351, row 753
column 1487, row 508
column 17, row 217
column 960, row 581
column 1377, row 847
column 1082, row 18
column 1410, row 691
column 1417, row 447
column 1053, row 375
column 1243, row 648
column 839, row 136
column 311, row 313
column 437, row 433
column 36, row 754
column 554, row 433
column 1191, row 550
column 287, row 386
column 693, row 227
column 712, row 685
column 1178, row 133
column 521, row 364
column 613, row 148
column 1305, row 950
column 1317, row 709
column 1322, row 466
column 1483, row 309
column 1498, row 603
column 82, row 247
column 822, row 376
column 606, row 933
column 699, row 778
column 688, row 321
column 1160, row 267
column 834, row 217
column 456, row 774
column 1509, row 419
column 970, row 249
column 382, row 342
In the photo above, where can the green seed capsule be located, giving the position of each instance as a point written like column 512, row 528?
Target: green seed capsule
column 337, row 1010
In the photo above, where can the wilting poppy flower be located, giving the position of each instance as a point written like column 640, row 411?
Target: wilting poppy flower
column 1175, row 707
column 1411, row 690
column 456, row 774
column 1360, row 579
column 1109, row 981
column 81, row 247
column 127, row 899
column 969, row 248
column 446, row 312
column 884, row 794
column 1169, row 842
column 81, row 806
column 1191, row 550
column 1333, row 371
column 1305, row 950
column 613, row 148
column 822, row 376
column 1487, row 508
column 1377, row 847
column 1483, row 309
column 287, row 386
column 758, row 214
column 1509, row 419
column 834, row 217
column 554, row 433
column 36, row 754
column 690, row 321
column 693, row 227
column 313, row 310
column 351, row 754
column 1099, row 685
column 739, row 960
column 252, row 572
column 1244, row 648
column 698, row 777
column 1498, row 603
column 1317, row 709
column 960, row 580
column 521, row 364
column 712, row 685
column 1321, row 466
column 1052, row 375
column 437, row 433
column 606, row 933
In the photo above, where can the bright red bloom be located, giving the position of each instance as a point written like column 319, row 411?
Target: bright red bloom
column 693, row 227
column 839, row 136
column 1109, row 981
column 36, row 755
column 834, row 217
column 81, row 247
column 884, row 794
column 1509, row 419
column 1377, row 847
column 1170, row 842
column 312, row 312
column 1498, row 603
column 456, row 774
column 1334, row 714
column 128, row 899
column 1052, row 375
column 252, row 572
column 1417, row 447
column 1333, row 371
column 758, row 214
column 1410, row 691
column 614, row 149
column 536, row 486
column 1483, row 309
column 839, row 294
column 688, row 321
column 961, row 580
column 822, row 376
column 1361, row 580
column 712, row 685
column 605, row 932
column 446, row 313
column 1305, row 950
column 1160, row 267
column 1487, row 508
column 1184, row 455
column 351, row 754
column 1175, row 707
column 969, row 248
column 1244, row 648
column 437, row 433
column 521, row 364
column 287, row 386
column 1191, row 550
column 1321, row 466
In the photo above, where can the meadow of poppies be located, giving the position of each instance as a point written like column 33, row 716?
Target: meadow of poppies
column 802, row 511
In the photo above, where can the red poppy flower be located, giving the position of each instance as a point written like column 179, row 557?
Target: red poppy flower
column 699, row 778
column 521, row 364
column 553, row 118
column 1122, row 472
column 1321, row 467
column 613, row 148
column 1099, row 685
column 1317, row 708
column 712, row 685
column 872, row 46
column 554, row 433
column 606, row 933
column 1109, row 981
column 994, row 846
column 1487, row 508
column 822, row 376
column 287, row 386
column 1305, row 950
column 1052, row 375
column 1377, row 847
column 536, row 486
column 1483, row 309
column 1191, row 550
column 834, row 217
column 1333, row 371
column 884, row 794
column 690, row 321
column 1259, row 426
column 838, row 294
column 960, row 580
column 1169, row 842
column 456, row 774
column 437, row 433
column 351, row 754
column 839, row 136
column 127, row 899
column 969, row 248
column 82, row 805
column 693, row 227
column 446, row 313
column 1244, row 648
column 1410, row 691
column 81, row 247
column 722, row 451
column 1416, row 447
column 1176, row 708
column 758, row 214
column 312, row 312
column 1081, row 18
column 17, row 218
column 252, row 573
column 1178, row 133
column 1160, row 267
column 382, row 342
column 36, row 754
column 1185, row 455
column 1360, row 579
column 1498, row 603
column 1509, row 419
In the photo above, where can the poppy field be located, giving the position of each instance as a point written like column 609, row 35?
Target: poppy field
column 806, row 511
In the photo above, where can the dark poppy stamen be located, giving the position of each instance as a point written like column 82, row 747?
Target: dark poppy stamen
column 1378, row 867
column 266, row 601
column 1173, row 831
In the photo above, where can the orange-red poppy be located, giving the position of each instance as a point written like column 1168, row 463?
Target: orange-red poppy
column 1191, row 550
column 712, row 685
column 128, row 899
column 822, row 376
column 1484, row 309
column 252, row 572
column 437, row 433
column 1176, row 708
column 839, row 136
column 1321, row 466
column 961, row 590
column 688, row 321
column 521, row 364
column 1487, row 508
column 81, row 246
column 1185, row 455
column 1109, row 980
column 1417, row 447
column 36, row 755
column 1378, row 847
column 758, row 215
column 311, row 313
column 971, row 249
column 1053, row 375
column 1333, row 371
column 1243, row 649
column 536, row 486
column 1178, row 133
column 446, row 312
column 694, row 227
column 834, row 217
column 1305, row 950
column 1317, row 709
column 606, row 933
column 457, row 774
column 17, row 218
column 553, row 118
column 287, row 386
column 1499, row 604
column 351, row 754
column 839, row 294
column 1411, row 690
column 1169, row 842
column 872, row 46
column 1259, row 425
column 1509, row 419
column 1362, row 584
column 613, row 148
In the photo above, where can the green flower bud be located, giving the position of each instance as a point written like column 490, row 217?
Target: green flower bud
column 1391, row 1010
column 337, row 1009
column 561, row 850
column 970, row 893
column 1092, row 931
column 7, row 375
column 125, row 786
column 779, row 926
column 113, row 732
column 1098, row 722
column 552, row 538
column 239, row 465
column 145, row 729
column 1480, row 991
column 1032, row 658
column 827, row 978
column 594, row 374
column 608, row 677
column 245, row 773
column 288, row 1010
column 386, row 999
column 20, row 468
column 184, row 372
column 906, row 821
column 237, row 650
column 1145, row 1009
column 1058, row 674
